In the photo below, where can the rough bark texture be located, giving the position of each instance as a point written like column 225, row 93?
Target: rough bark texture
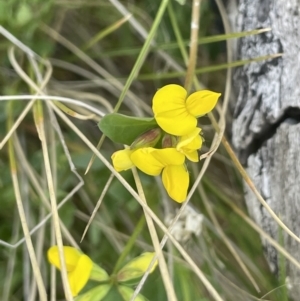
column 266, row 125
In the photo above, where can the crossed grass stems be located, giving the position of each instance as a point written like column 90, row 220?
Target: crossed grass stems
column 17, row 156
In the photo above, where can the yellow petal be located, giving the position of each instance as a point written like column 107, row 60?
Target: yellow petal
column 151, row 161
column 168, row 156
column 170, row 110
column 192, row 156
column 202, row 102
column 80, row 276
column 191, row 140
column 195, row 144
column 176, row 181
column 136, row 267
column 189, row 144
column 142, row 158
column 176, row 122
column 168, row 98
column 121, row 160
column 71, row 255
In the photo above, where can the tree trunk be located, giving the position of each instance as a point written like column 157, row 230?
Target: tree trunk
column 266, row 125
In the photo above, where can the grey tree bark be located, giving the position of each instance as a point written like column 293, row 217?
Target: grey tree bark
column 266, row 120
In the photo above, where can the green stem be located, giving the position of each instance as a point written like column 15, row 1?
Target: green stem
column 139, row 227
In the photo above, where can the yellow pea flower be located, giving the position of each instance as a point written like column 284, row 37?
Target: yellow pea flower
column 79, row 266
column 176, row 113
column 189, row 144
column 170, row 162
column 121, row 160
column 136, row 267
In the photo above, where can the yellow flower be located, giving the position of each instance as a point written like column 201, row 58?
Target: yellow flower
column 79, row 266
column 176, row 113
column 170, row 162
column 121, row 160
column 189, row 144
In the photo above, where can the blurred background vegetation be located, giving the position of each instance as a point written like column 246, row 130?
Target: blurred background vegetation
column 58, row 30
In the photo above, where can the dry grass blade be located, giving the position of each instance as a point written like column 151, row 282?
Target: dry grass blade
column 255, row 191
column 169, row 287
column 32, row 177
column 195, row 23
column 33, row 259
column 54, row 209
column 135, row 103
column 263, row 234
column 11, row 261
column 107, row 185
column 224, row 237
column 105, row 32
column 46, row 97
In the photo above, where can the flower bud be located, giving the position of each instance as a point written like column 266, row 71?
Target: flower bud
column 147, row 139
column 168, row 141
column 136, row 267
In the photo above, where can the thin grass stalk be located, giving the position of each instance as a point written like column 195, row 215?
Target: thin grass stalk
column 116, row 244
column 225, row 238
column 251, row 185
column 253, row 225
column 39, row 253
column 17, row 123
column 103, row 33
column 130, row 243
column 144, row 34
column 135, row 101
column 169, row 287
column 195, row 23
column 45, row 97
column 179, row 74
column 19, row 70
column 185, row 43
column 32, row 177
column 99, row 202
column 11, row 261
column 53, row 279
column 13, row 168
column 39, row 120
column 282, row 266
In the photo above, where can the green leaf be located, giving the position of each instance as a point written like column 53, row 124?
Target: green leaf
column 136, row 267
column 24, row 14
column 95, row 294
column 98, row 274
column 126, row 293
column 181, row 2
column 125, row 129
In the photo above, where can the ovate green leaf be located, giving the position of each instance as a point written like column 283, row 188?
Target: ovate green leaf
column 125, row 129
column 126, row 293
column 95, row 294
